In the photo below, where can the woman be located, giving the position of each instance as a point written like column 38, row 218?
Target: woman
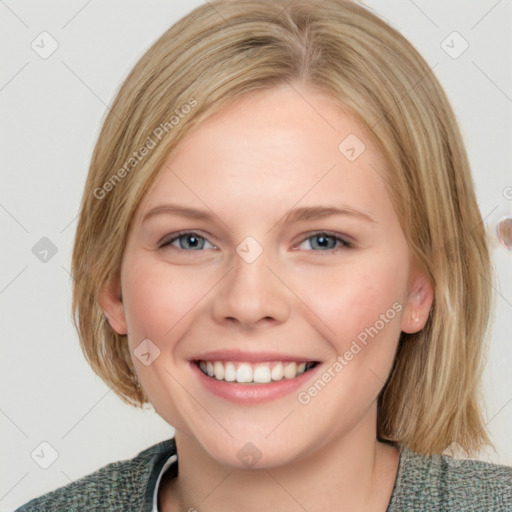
column 280, row 249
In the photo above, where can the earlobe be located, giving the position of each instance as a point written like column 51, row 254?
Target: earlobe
column 111, row 303
column 417, row 307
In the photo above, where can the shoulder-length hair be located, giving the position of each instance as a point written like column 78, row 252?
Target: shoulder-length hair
column 225, row 49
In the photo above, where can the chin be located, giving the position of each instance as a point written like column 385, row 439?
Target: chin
column 242, row 453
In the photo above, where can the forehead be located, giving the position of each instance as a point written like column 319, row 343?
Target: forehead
column 272, row 149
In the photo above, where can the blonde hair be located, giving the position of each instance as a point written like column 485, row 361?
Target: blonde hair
column 225, row 49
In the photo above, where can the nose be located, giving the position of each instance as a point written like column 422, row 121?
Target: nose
column 252, row 294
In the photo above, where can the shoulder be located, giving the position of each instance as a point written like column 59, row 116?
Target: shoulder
column 119, row 486
column 439, row 482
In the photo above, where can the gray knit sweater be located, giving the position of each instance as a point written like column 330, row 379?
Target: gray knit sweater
column 435, row 483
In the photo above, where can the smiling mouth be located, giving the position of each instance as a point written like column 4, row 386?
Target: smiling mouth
column 254, row 373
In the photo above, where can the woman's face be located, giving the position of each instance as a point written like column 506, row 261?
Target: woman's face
column 268, row 245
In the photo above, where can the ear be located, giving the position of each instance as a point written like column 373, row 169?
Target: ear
column 420, row 295
column 111, row 302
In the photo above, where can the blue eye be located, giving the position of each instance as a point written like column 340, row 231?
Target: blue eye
column 325, row 242
column 189, row 241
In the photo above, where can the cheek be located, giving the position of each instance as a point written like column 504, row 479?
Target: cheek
column 361, row 304
column 157, row 301
column 159, row 305
column 351, row 299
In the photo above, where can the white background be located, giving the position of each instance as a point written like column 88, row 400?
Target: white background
column 52, row 111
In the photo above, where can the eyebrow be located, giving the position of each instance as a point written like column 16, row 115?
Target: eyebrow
column 181, row 211
column 320, row 212
column 306, row 213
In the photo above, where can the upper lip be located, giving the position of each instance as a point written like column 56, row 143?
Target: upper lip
column 253, row 357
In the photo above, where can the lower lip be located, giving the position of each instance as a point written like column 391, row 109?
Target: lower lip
column 252, row 393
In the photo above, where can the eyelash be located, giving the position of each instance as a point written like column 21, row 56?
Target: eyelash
column 166, row 242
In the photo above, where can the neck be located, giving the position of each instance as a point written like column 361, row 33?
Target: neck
column 353, row 473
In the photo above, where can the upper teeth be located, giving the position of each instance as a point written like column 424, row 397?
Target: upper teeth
column 247, row 372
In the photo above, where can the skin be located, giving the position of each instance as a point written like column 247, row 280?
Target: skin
column 248, row 166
